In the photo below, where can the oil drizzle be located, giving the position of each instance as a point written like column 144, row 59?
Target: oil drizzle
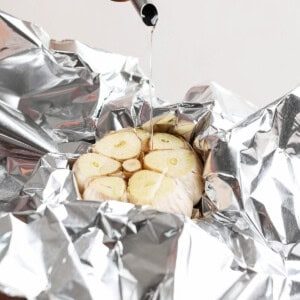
column 151, row 95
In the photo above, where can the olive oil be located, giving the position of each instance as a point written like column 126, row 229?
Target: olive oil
column 151, row 92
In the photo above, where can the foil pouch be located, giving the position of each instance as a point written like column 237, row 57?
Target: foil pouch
column 58, row 97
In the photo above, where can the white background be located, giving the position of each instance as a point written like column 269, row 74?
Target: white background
column 251, row 47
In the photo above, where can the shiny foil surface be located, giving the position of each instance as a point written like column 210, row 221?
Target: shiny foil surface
column 58, row 97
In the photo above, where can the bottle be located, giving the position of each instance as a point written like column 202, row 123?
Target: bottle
column 146, row 10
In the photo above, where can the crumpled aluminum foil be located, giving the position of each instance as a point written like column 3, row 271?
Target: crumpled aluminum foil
column 55, row 98
column 262, row 154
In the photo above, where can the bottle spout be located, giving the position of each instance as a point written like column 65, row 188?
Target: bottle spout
column 147, row 11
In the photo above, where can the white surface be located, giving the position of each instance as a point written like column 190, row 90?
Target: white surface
column 251, row 47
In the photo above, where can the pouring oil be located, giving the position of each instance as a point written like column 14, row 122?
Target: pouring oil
column 151, row 94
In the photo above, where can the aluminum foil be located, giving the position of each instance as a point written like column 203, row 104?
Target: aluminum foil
column 56, row 98
column 50, row 96
column 262, row 154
